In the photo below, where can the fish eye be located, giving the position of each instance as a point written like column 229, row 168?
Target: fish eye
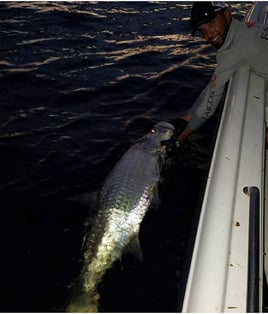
column 153, row 130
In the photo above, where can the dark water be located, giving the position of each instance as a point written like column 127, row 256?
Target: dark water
column 80, row 82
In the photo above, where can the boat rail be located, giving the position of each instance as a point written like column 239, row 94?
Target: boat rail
column 217, row 280
column 228, row 260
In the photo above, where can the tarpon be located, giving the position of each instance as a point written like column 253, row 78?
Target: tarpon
column 123, row 201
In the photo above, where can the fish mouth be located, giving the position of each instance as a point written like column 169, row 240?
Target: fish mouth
column 170, row 143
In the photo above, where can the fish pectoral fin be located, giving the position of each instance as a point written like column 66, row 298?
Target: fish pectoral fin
column 134, row 248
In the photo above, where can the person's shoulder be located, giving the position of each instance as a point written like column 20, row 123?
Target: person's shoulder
column 237, row 23
column 246, row 29
column 247, row 25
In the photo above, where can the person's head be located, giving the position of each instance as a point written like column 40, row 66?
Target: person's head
column 212, row 20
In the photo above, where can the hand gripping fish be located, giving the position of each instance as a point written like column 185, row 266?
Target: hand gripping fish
column 123, row 201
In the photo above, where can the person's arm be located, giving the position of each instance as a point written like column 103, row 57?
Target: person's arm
column 204, row 106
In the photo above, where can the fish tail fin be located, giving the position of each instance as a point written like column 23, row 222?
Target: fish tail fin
column 84, row 303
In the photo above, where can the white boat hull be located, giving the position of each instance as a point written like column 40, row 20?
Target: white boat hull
column 220, row 273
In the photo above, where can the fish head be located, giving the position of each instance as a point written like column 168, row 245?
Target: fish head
column 157, row 138
column 163, row 131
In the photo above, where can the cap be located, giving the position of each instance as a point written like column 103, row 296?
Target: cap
column 204, row 12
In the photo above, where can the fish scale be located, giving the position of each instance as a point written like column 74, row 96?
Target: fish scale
column 123, row 201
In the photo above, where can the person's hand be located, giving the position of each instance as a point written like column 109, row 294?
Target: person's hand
column 183, row 129
column 179, row 124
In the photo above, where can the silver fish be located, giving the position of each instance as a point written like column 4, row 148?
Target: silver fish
column 123, row 201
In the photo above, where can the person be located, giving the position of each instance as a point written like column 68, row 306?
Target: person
column 236, row 44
